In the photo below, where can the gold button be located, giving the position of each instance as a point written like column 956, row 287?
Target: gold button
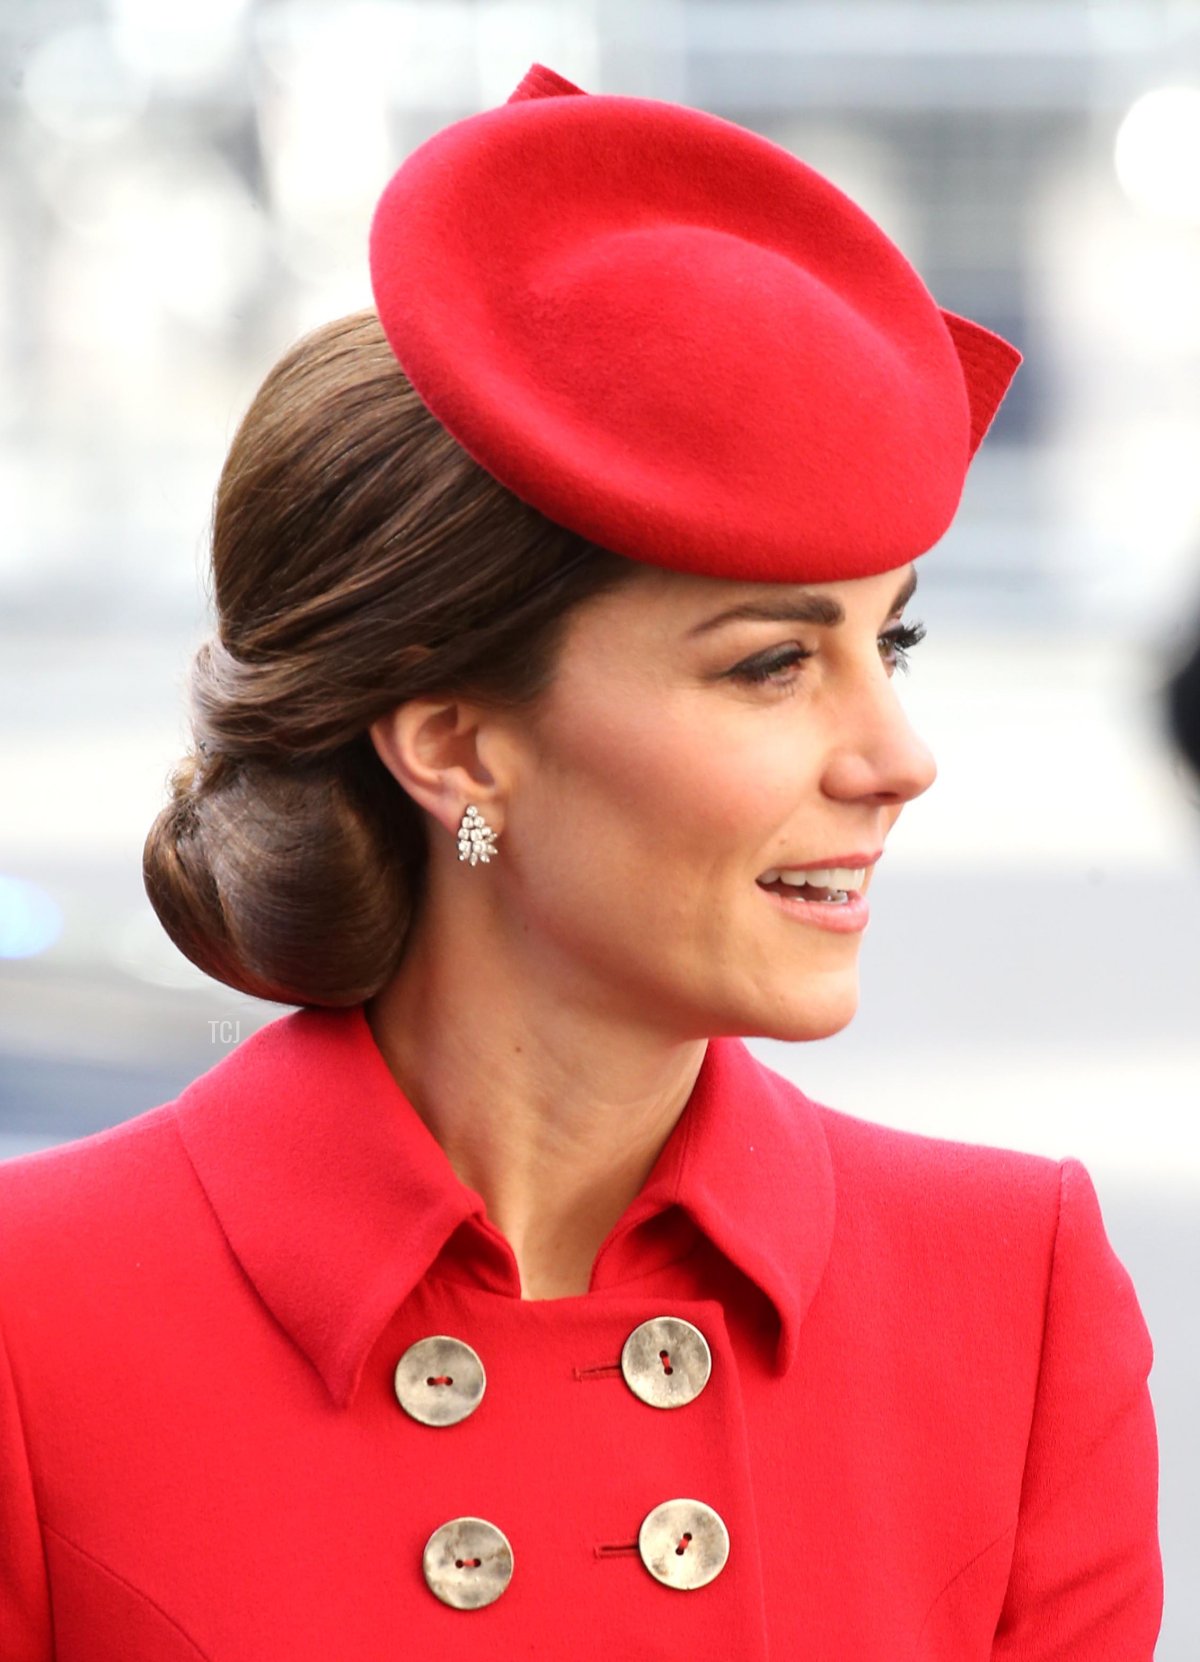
column 439, row 1380
column 468, row 1563
column 684, row 1543
column 666, row 1361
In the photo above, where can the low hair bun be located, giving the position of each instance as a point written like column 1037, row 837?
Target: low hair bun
column 280, row 880
column 360, row 558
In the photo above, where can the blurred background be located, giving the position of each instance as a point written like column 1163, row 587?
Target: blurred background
column 186, row 186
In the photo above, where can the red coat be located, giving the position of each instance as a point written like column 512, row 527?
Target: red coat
column 926, row 1426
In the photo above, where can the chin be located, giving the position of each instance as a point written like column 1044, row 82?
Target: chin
column 819, row 1014
column 807, row 1027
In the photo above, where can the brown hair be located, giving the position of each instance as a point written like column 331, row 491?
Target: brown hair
column 360, row 558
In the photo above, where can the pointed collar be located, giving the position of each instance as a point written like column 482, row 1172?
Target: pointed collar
column 336, row 1198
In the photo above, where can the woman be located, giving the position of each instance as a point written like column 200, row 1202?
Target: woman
column 497, row 1296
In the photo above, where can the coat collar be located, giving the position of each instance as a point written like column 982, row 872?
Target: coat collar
column 336, row 1198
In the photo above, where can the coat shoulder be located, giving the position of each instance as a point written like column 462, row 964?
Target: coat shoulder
column 77, row 1202
column 909, row 1179
column 131, row 1178
column 908, row 1157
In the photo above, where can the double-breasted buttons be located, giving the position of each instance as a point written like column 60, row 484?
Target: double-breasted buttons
column 439, row 1380
column 684, row 1543
column 666, row 1361
column 468, row 1563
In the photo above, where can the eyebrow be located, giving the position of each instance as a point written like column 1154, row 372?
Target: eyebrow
column 801, row 607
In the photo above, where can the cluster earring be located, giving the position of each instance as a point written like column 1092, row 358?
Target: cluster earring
column 476, row 839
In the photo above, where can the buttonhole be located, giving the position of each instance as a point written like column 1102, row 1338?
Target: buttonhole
column 664, row 1357
column 440, row 1379
column 683, row 1545
column 467, row 1563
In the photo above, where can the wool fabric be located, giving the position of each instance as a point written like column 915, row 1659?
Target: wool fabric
column 675, row 338
column 927, row 1426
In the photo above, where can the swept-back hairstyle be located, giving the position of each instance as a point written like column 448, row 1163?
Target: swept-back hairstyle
column 360, row 558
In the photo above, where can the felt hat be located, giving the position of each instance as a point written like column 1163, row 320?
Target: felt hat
column 674, row 338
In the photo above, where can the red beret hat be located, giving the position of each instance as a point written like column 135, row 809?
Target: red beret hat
column 674, row 338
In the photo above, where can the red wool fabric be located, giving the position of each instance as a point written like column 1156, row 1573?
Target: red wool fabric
column 673, row 337
column 927, row 1426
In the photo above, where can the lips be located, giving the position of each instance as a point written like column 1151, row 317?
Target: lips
column 831, row 896
column 849, row 915
column 851, row 860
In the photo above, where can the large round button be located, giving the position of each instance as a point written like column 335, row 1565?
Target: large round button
column 666, row 1361
column 683, row 1543
column 439, row 1380
column 468, row 1563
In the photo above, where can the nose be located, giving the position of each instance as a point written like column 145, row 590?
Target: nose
column 877, row 755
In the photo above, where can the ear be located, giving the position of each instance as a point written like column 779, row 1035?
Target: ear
column 434, row 749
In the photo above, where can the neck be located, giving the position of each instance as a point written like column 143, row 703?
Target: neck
column 552, row 1109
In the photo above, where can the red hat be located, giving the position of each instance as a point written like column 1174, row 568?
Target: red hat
column 672, row 337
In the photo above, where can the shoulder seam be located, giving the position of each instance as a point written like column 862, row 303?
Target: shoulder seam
column 1009, row 1529
column 16, row 1401
column 1037, row 1386
column 137, row 1592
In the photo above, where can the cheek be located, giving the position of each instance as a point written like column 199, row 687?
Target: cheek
column 658, row 801
column 641, row 831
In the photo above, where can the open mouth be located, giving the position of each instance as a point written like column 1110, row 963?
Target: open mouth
column 808, row 891
column 833, row 886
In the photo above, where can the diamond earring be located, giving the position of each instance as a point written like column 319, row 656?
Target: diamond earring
column 476, row 839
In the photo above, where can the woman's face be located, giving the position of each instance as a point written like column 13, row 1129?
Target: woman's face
column 675, row 759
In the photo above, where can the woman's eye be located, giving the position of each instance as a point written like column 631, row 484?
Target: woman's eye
column 772, row 667
column 900, row 640
column 776, row 667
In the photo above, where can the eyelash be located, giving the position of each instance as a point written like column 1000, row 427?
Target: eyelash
column 901, row 638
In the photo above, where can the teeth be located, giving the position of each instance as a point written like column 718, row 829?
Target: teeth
column 825, row 877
